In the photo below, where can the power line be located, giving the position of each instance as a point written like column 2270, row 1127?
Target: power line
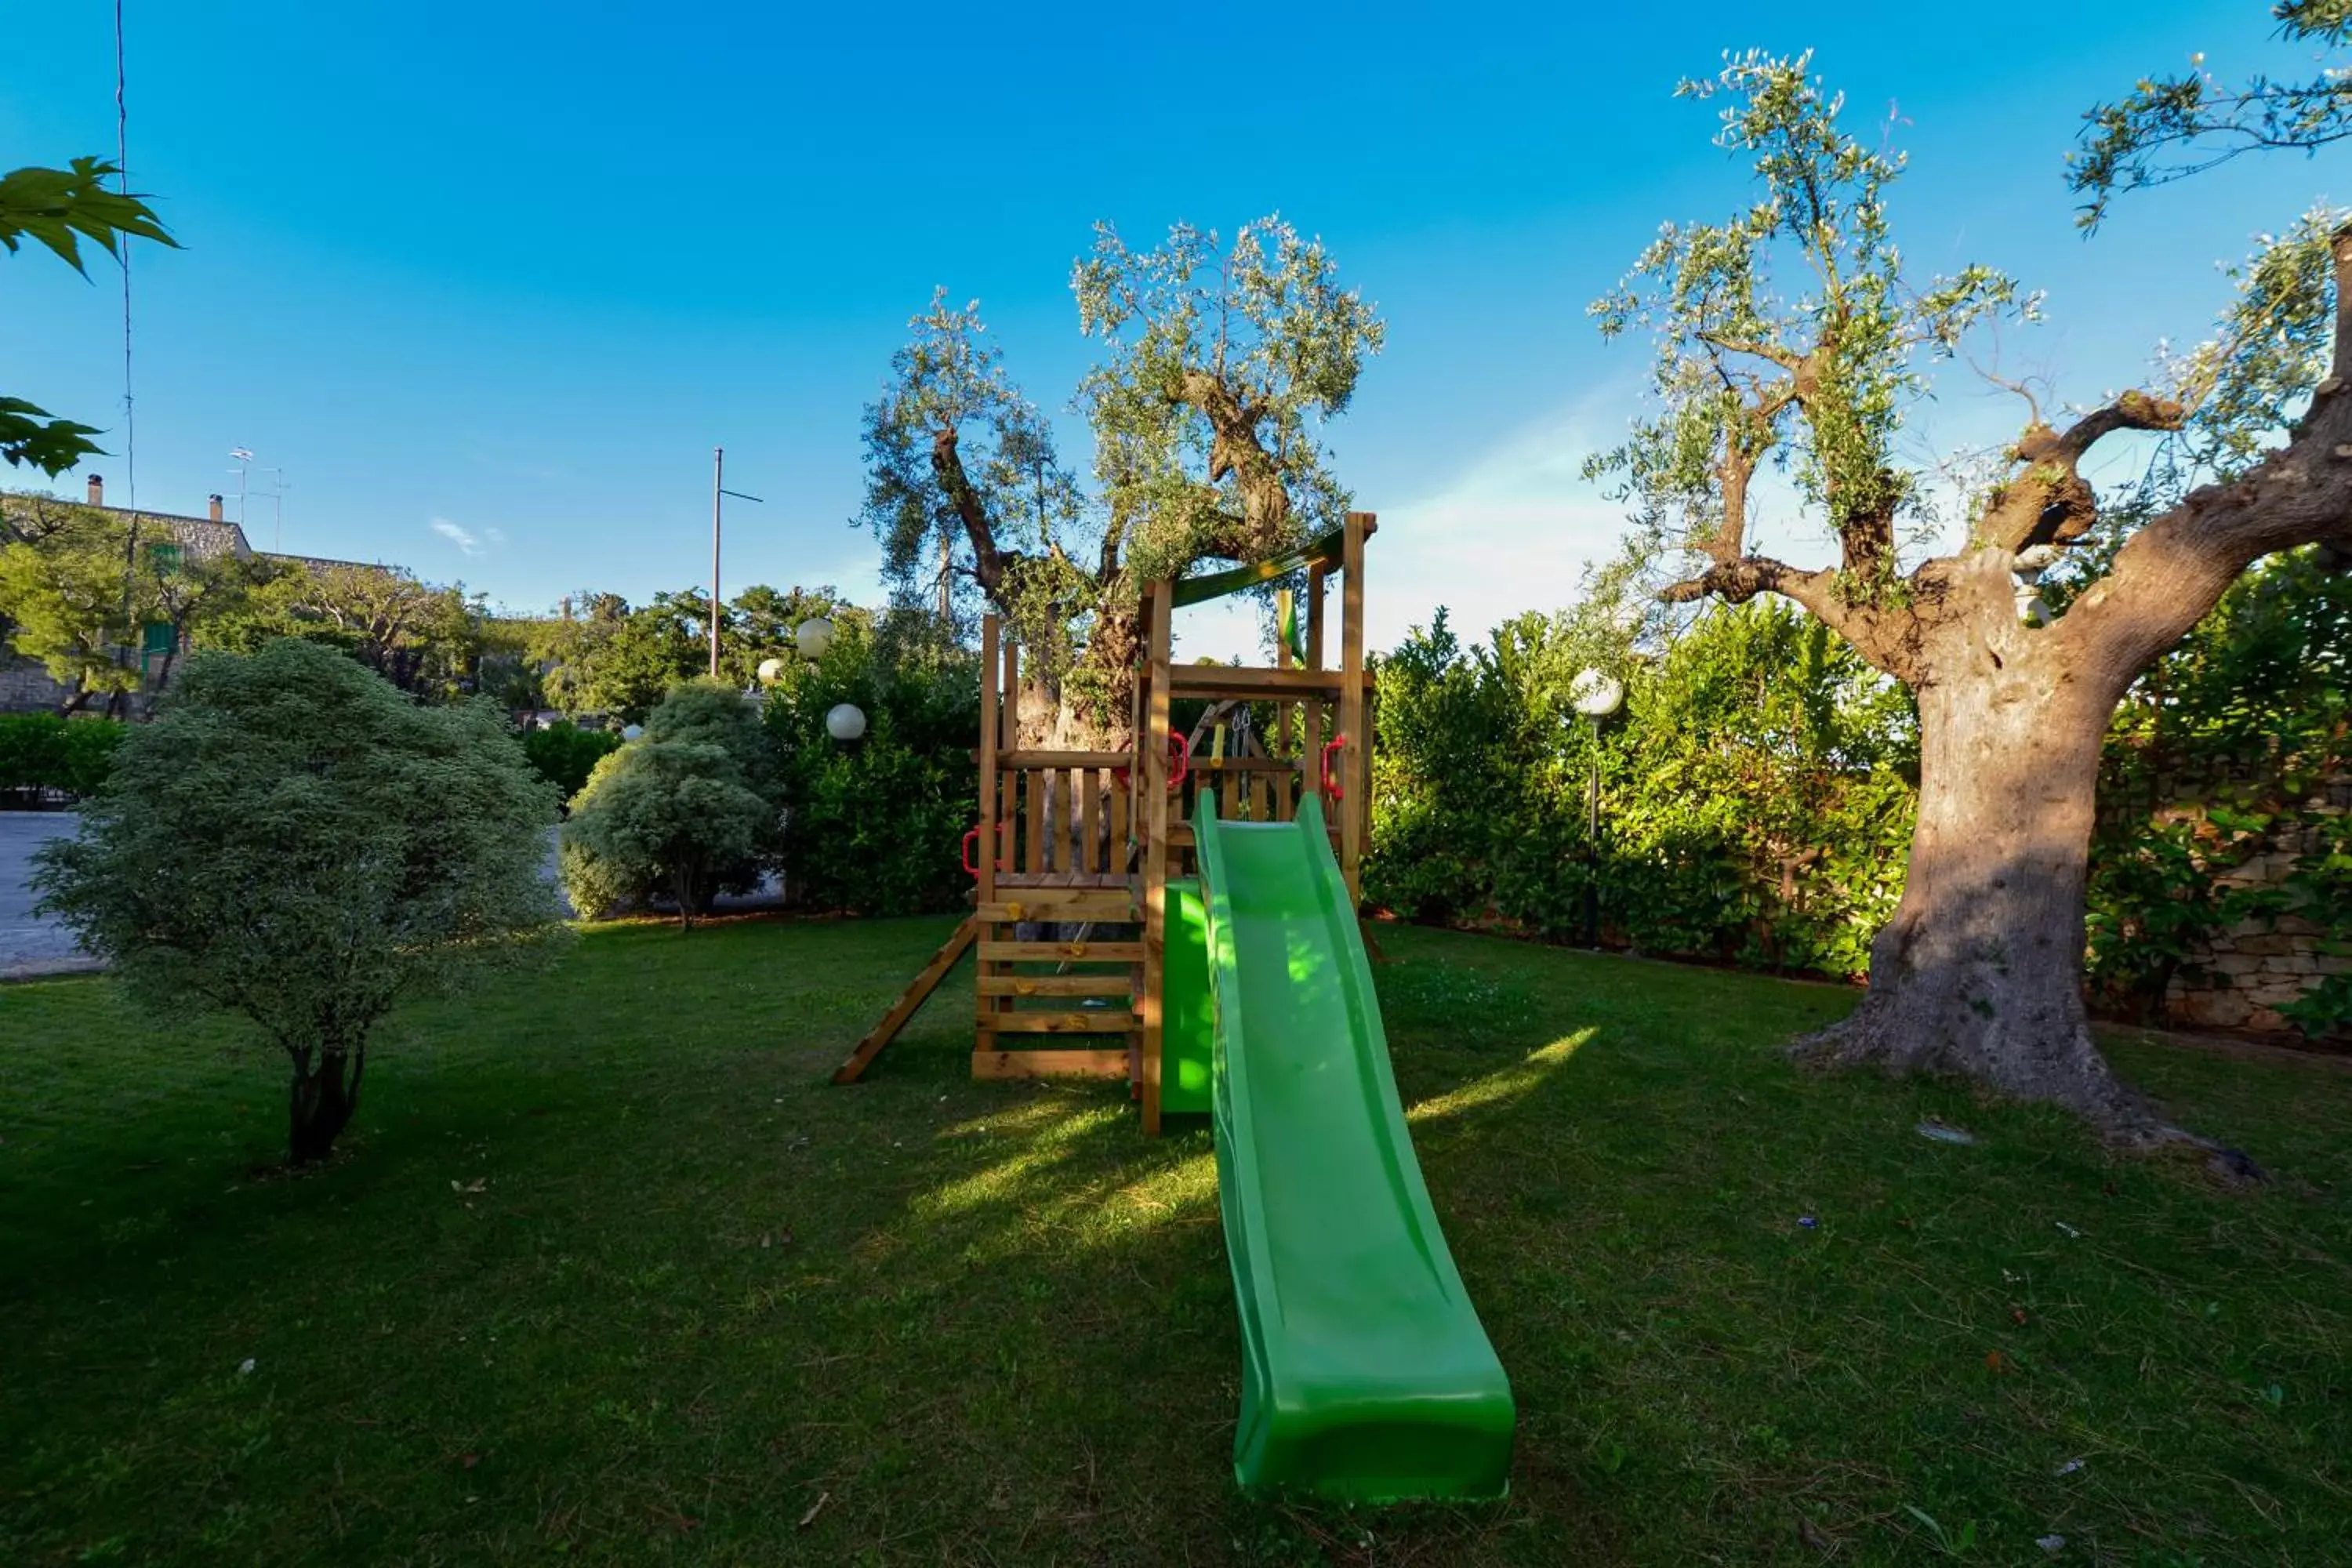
column 123, row 248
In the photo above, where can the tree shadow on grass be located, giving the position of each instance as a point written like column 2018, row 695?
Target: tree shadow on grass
column 699, row 1292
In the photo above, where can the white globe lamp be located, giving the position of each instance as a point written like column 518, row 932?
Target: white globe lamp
column 844, row 721
column 631, row 731
column 1596, row 693
column 812, row 636
column 770, row 671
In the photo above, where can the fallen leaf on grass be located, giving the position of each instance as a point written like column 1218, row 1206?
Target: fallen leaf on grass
column 814, row 1509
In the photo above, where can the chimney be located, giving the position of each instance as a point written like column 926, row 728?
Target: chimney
column 97, row 490
column 216, row 507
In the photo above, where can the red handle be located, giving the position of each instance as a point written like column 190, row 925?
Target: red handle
column 1179, row 759
column 971, row 869
column 1331, row 789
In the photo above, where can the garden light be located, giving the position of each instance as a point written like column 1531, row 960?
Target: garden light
column 844, row 721
column 812, row 636
column 770, row 671
column 1596, row 694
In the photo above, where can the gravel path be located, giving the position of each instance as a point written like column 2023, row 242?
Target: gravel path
column 30, row 944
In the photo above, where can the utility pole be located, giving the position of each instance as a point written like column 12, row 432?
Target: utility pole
column 718, row 488
column 718, row 475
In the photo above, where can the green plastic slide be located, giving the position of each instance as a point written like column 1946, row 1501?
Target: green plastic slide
column 1365, row 1375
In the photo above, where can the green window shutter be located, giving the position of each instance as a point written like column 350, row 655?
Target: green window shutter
column 164, row 558
column 159, row 639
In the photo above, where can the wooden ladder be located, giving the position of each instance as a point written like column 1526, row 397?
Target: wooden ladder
column 1018, row 997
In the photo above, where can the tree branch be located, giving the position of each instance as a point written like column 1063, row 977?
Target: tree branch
column 2171, row 572
column 1234, row 450
column 2050, row 501
column 1738, row 581
column 1786, row 358
column 1114, row 536
column 989, row 563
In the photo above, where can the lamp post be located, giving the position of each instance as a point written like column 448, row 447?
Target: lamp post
column 1596, row 694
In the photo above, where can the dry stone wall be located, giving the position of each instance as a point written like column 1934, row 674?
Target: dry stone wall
column 2240, row 976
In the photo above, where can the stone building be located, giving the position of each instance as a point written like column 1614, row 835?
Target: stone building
column 27, row 687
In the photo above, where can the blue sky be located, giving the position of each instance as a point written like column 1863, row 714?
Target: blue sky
column 514, row 269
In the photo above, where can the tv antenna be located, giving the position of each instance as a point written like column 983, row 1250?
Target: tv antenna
column 274, row 494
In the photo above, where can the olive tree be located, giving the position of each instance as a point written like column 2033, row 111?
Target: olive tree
column 1222, row 361
column 1791, row 343
column 295, row 841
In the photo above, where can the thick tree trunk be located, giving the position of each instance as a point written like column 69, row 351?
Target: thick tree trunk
column 326, row 1092
column 1980, row 973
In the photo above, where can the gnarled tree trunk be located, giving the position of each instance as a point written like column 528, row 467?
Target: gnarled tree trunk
column 326, row 1093
column 1980, row 973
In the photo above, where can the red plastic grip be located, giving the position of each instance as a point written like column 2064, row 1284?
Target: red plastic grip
column 1331, row 788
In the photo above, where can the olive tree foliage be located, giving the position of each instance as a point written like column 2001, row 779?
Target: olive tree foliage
column 2170, row 127
column 59, row 210
column 1791, row 340
column 295, row 841
column 1222, row 361
column 689, row 809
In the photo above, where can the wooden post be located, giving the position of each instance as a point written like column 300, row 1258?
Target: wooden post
column 1008, row 739
column 1153, row 743
column 984, row 889
column 1311, row 745
column 1285, row 609
column 1353, row 776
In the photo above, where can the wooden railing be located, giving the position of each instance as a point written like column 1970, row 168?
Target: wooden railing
column 1060, row 819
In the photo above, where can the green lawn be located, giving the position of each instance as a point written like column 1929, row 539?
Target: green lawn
column 607, row 1271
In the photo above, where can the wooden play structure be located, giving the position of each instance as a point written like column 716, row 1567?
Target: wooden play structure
column 1075, row 852
column 1366, row 1376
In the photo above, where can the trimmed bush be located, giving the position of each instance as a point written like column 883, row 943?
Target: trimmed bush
column 294, row 840
column 689, row 809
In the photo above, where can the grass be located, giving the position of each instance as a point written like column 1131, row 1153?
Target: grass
column 607, row 1273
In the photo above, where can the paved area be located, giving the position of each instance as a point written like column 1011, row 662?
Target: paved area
column 29, row 944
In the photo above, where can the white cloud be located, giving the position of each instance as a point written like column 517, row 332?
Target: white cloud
column 1510, row 533
column 465, row 543
column 493, row 536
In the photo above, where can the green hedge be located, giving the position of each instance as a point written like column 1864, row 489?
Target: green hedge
column 877, row 826
column 1758, row 793
column 565, row 754
column 1754, row 794
column 42, row 751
